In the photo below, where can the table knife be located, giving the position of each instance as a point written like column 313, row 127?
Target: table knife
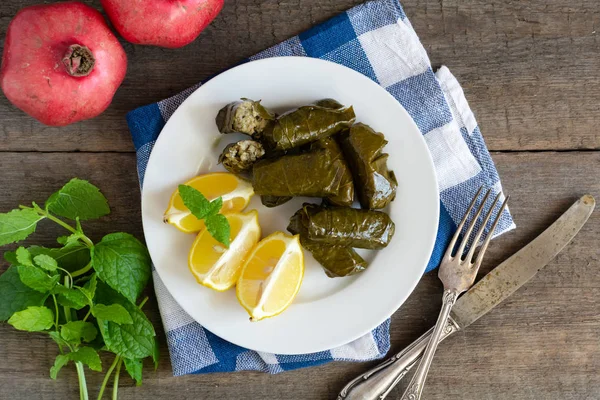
column 490, row 291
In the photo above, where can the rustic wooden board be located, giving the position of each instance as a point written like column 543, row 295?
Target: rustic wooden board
column 542, row 343
column 529, row 68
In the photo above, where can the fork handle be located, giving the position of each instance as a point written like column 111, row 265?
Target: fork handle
column 415, row 387
column 378, row 382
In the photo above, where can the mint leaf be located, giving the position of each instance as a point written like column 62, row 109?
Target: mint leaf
column 60, row 361
column 90, row 287
column 122, row 262
column 59, row 340
column 17, row 225
column 195, row 201
column 72, row 297
column 71, row 239
column 32, row 319
column 78, row 198
column 71, row 257
column 134, row 368
column 215, row 206
column 130, row 340
column 11, row 257
column 87, row 356
column 15, row 295
column 114, row 313
column 46, row 262
column 23, row 256
column 219, row 228
column 74, row 331
column 37, row 279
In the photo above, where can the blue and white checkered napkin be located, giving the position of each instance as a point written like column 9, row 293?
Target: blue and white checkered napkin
column 376, row 39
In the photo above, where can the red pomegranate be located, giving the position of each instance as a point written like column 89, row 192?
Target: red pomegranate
column 165, row 23
column 61, row 63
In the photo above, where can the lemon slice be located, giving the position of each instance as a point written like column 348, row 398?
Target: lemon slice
column 236, row 193
column 271, row 276
column 216, row 266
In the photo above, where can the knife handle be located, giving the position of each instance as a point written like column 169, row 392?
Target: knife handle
column 378, row 382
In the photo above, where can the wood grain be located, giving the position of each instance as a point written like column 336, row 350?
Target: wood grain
column 529, row 69
column 541, row 343
column 530, row 72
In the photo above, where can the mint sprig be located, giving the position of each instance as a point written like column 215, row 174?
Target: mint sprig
column 203, row 209
column 84, row 295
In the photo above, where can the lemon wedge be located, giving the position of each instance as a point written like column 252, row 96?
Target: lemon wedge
column 236, row 193
column 271, row 276
column 216, row 266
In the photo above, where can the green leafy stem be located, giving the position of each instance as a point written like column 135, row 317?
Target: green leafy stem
column 50, row 289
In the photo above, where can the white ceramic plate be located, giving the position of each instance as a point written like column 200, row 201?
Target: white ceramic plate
column 327, row 312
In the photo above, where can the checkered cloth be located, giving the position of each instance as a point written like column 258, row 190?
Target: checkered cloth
column 376, row 39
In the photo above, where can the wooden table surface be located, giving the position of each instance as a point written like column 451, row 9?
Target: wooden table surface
column 530, row 70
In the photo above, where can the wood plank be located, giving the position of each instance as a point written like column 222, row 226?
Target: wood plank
column 542, row 343
column 529, row 69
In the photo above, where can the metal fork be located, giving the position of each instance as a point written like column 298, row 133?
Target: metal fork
column 458, row 275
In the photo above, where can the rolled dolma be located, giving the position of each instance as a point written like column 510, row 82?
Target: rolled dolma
column 351, row 227
column 240, row 156
column 312, row 174
column 246, row 116
column 337, row 261
column 345, row 195
column 307, row 124
column 374, row 183
column 329, row 103
column 274, row 201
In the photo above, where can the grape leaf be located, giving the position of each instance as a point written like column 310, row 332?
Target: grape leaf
column 74, row 331
column 15, row 295
column 37, row 279
column 114, row 313
column 134, row 368
column 122, row 262
column 78, row 198
column 87, row 356
column 60, row 361
column 16, row 225
column 32, row 319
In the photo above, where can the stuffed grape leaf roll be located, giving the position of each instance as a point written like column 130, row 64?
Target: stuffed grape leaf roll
column 314, row 174
column 337, row 261
column 374, row 183
column 274, row 201
column 240, row 156
column 345, row 226
column 245, row 116
column 307, row 124
column 345, row 195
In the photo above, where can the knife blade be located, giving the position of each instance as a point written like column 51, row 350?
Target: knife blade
column 490, row 291
column 519, row 268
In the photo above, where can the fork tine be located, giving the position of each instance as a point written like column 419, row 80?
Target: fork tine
column 490, row 234
column 450, row 247
column 488, row 215
column 465, row 240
